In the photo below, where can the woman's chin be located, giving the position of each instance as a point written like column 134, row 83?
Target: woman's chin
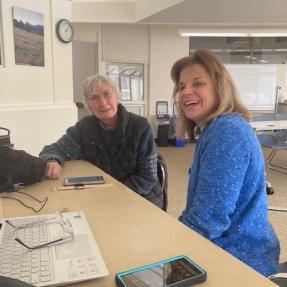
column 190, row 115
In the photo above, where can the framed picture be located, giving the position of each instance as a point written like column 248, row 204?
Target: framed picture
column 162, row 107
column 28, row 27
column 1, row 53
column 1, row 41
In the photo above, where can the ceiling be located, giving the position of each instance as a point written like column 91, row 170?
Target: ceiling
column 194, row 13
column 237, row 13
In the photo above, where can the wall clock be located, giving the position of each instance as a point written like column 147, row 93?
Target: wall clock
column 64, row 31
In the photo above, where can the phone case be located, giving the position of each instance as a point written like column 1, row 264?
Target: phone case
column 199, row 277
column 83, row 180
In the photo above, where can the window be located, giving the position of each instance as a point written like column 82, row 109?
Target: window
column 130, row 79
column 244, row 50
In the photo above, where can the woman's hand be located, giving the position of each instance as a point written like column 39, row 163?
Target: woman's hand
column 53, row 170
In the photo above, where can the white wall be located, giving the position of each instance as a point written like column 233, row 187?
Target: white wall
column 166, row 46
column 146, row 8
column 125, row 43
column 103, row 11
column 158, row 46
column 36, row 103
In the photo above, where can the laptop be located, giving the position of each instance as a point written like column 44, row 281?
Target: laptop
column 50, row 250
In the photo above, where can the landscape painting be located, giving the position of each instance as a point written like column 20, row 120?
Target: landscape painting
column 1, row 61
column 28, row 37
column 0, row 53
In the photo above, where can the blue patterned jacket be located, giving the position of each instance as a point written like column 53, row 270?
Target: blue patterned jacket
column 227, row 200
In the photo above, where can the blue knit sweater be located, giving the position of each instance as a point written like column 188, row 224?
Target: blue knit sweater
column 226, row 200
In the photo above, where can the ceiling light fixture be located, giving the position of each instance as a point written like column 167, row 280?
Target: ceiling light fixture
column 212, row 34
column 186, row 32
column 268, row 34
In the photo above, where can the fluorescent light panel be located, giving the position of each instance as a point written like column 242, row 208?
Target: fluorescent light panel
column 271, row 34
column 212, row 34
column 193, row 33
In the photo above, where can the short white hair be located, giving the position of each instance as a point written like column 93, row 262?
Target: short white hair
column 92, row 82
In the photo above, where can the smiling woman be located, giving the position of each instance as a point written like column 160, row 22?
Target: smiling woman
column 226, row 200
column 196, row 95
column 208, row 75
column 117, row 141
column 102, row 100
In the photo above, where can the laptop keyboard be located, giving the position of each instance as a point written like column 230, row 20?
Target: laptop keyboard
column 72, row 260
column 16, row 261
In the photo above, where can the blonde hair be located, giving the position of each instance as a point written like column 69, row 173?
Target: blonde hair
column 92, row 82
column 225, row 90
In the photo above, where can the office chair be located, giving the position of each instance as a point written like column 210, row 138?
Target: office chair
column 275, row 140
column 281, row 116
column 163, row 179
column 280, row 278
column 260, row 135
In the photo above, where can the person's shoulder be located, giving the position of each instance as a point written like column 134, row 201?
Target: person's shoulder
column 137, row 119
column 139, row 124
column 231, row 121
column 81, row 124
column 85, row 120
column 231, row 127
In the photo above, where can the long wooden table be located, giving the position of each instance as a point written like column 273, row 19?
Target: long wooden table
column 131, row 231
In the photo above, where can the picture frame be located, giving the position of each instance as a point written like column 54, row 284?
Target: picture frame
column 1, row 40
column 162, row 107
column 28, row 28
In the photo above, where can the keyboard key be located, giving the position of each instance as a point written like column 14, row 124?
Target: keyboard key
column 20, row 263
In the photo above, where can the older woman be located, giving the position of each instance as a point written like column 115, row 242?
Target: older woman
column 226, row 200
column 119, row 142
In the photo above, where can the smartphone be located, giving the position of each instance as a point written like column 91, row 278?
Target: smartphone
column 178, row 271
column 82, row 180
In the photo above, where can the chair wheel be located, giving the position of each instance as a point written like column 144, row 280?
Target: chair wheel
column 269, row 190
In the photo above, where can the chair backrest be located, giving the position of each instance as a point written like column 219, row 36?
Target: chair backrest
column 162, row 175
column 263, row 117
column 280, row 278
column 5, row 138
column 281, row 116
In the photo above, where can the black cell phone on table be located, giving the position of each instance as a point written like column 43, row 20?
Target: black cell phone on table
column 84, row 180
column 178, row 271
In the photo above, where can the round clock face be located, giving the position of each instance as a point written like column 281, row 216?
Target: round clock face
column 64, row 31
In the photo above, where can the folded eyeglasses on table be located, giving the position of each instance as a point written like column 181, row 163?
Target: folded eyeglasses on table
column 39, row 227
column 50, row 250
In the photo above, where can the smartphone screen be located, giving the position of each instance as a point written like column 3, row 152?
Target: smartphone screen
column 84, row 180
column 166, row 273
